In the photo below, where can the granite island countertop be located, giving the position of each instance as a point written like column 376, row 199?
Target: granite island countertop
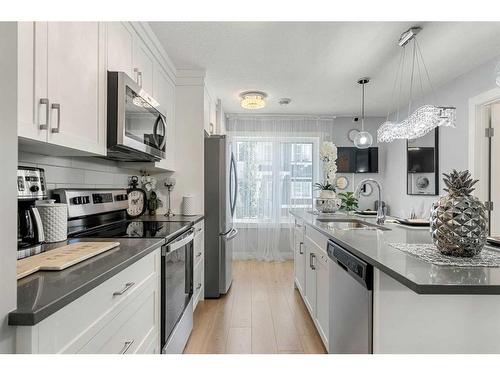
column 43, row 293
column 422, row 277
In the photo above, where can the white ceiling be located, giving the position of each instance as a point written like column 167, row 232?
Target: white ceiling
column 317, row 64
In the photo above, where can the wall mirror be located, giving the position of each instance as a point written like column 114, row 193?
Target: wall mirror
column 422, row 164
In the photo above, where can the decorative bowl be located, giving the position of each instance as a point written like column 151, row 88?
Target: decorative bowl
column 328, row 205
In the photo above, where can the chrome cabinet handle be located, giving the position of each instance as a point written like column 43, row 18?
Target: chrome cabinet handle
column 139, row 76
column 127, row 287
column 301, row 252
column 126, row 347
column 311, row 261
column 57, row 107
column 198, row 286
column 45, row 102
column 198, row 254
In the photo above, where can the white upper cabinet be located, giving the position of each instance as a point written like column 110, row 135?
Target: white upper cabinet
column 76, row 85
column 143, row 66
column 62, row 93
column 33, row 108
column 120, row 48
column 164, row 93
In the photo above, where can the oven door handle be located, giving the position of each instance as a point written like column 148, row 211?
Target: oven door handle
column 176, row 245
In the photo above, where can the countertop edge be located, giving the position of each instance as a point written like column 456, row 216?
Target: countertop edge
column 417, row 288
column 32, row 318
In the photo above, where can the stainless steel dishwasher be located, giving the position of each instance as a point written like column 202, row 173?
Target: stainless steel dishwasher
column 351, row 285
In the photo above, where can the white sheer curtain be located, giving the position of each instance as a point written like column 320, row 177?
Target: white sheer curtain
column 277, row 164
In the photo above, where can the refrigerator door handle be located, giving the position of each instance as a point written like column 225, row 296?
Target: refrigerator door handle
column 230, row 234
column 223, row 234
column 233, row 190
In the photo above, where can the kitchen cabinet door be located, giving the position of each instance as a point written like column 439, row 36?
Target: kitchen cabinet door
column 310, row 289
column 76, row 85
column 33, row 105
column 143, row 66
column 207, row 103
column 120, row 47
column 299, row 257
column 164, row 93
column 322, row 295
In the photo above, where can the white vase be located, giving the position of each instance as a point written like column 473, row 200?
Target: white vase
column 327, row 194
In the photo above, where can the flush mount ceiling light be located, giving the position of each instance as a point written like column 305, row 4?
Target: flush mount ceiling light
column 253, row 99
column 423, row 119
column 363, row 139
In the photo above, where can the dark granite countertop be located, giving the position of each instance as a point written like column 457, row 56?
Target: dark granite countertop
column 422, row 277
column 43, row 293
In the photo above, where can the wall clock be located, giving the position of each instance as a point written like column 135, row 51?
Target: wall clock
column 136, row 199
column 341, row 183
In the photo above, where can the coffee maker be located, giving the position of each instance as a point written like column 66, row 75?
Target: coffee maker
column 30, row 187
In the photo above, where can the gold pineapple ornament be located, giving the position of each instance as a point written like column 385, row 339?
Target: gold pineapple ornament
column 459, row 222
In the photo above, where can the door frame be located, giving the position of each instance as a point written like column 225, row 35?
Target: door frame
column 478, row 142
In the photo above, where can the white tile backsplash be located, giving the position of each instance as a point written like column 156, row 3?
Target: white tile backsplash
column 78, row 172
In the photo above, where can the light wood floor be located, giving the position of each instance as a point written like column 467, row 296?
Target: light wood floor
column 262, row 313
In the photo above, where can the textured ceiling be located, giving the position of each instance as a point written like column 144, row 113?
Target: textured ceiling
column 317, row 64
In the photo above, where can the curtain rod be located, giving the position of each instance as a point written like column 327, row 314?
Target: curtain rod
column 314, row 117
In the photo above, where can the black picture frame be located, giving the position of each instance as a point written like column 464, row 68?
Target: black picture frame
column 435, row 183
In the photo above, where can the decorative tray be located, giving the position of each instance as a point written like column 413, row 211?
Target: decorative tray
column 366, row 212
column 494, row 241
column 413, row 222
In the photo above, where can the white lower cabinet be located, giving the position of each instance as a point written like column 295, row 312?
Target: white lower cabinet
column 299, row 255
column 199, row 264
column 310, row 289
column 119, row 316
column 323, row 295
column 312, row 275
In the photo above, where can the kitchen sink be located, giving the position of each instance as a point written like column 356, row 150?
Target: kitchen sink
column 350, row 224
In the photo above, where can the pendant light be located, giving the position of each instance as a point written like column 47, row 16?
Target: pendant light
column 363, row 139
column 423, row 119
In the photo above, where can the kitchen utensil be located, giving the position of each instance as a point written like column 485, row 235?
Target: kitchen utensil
column 62, row 257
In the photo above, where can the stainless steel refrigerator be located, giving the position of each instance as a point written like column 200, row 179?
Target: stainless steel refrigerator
column 221, row 190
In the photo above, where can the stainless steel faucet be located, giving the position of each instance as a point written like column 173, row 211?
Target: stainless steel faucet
column 380, row 209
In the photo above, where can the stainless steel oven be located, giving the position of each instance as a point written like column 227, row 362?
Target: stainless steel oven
column 137, row 126
column 177, row 293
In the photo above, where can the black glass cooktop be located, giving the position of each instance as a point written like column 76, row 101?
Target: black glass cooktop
column 139, row 229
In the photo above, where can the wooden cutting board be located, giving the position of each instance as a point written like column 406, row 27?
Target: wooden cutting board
column 62, row 257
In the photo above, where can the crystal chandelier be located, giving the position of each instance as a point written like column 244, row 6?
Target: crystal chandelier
column 363, row 139
column 425, row 118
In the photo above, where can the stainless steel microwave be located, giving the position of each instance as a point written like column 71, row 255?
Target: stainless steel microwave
column 137, row 126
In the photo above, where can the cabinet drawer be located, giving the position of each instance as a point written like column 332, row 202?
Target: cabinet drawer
column 319, row 239
column 73, row 326
column 199, row 247
column 131, row 329
column 197, row 284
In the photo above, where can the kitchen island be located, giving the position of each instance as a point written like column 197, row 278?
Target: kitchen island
column 418, row 307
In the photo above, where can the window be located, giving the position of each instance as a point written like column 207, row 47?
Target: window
column 274, row 175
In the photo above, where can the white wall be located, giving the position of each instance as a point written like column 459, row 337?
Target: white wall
column 453, row 143
column 189, row 148
column 8, row 192
column 342, row 125
column 79, row 172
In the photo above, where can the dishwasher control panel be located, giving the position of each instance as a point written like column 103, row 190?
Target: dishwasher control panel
column 356, row 267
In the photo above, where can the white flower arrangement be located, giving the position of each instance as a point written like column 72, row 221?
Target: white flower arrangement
column 328, row 155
